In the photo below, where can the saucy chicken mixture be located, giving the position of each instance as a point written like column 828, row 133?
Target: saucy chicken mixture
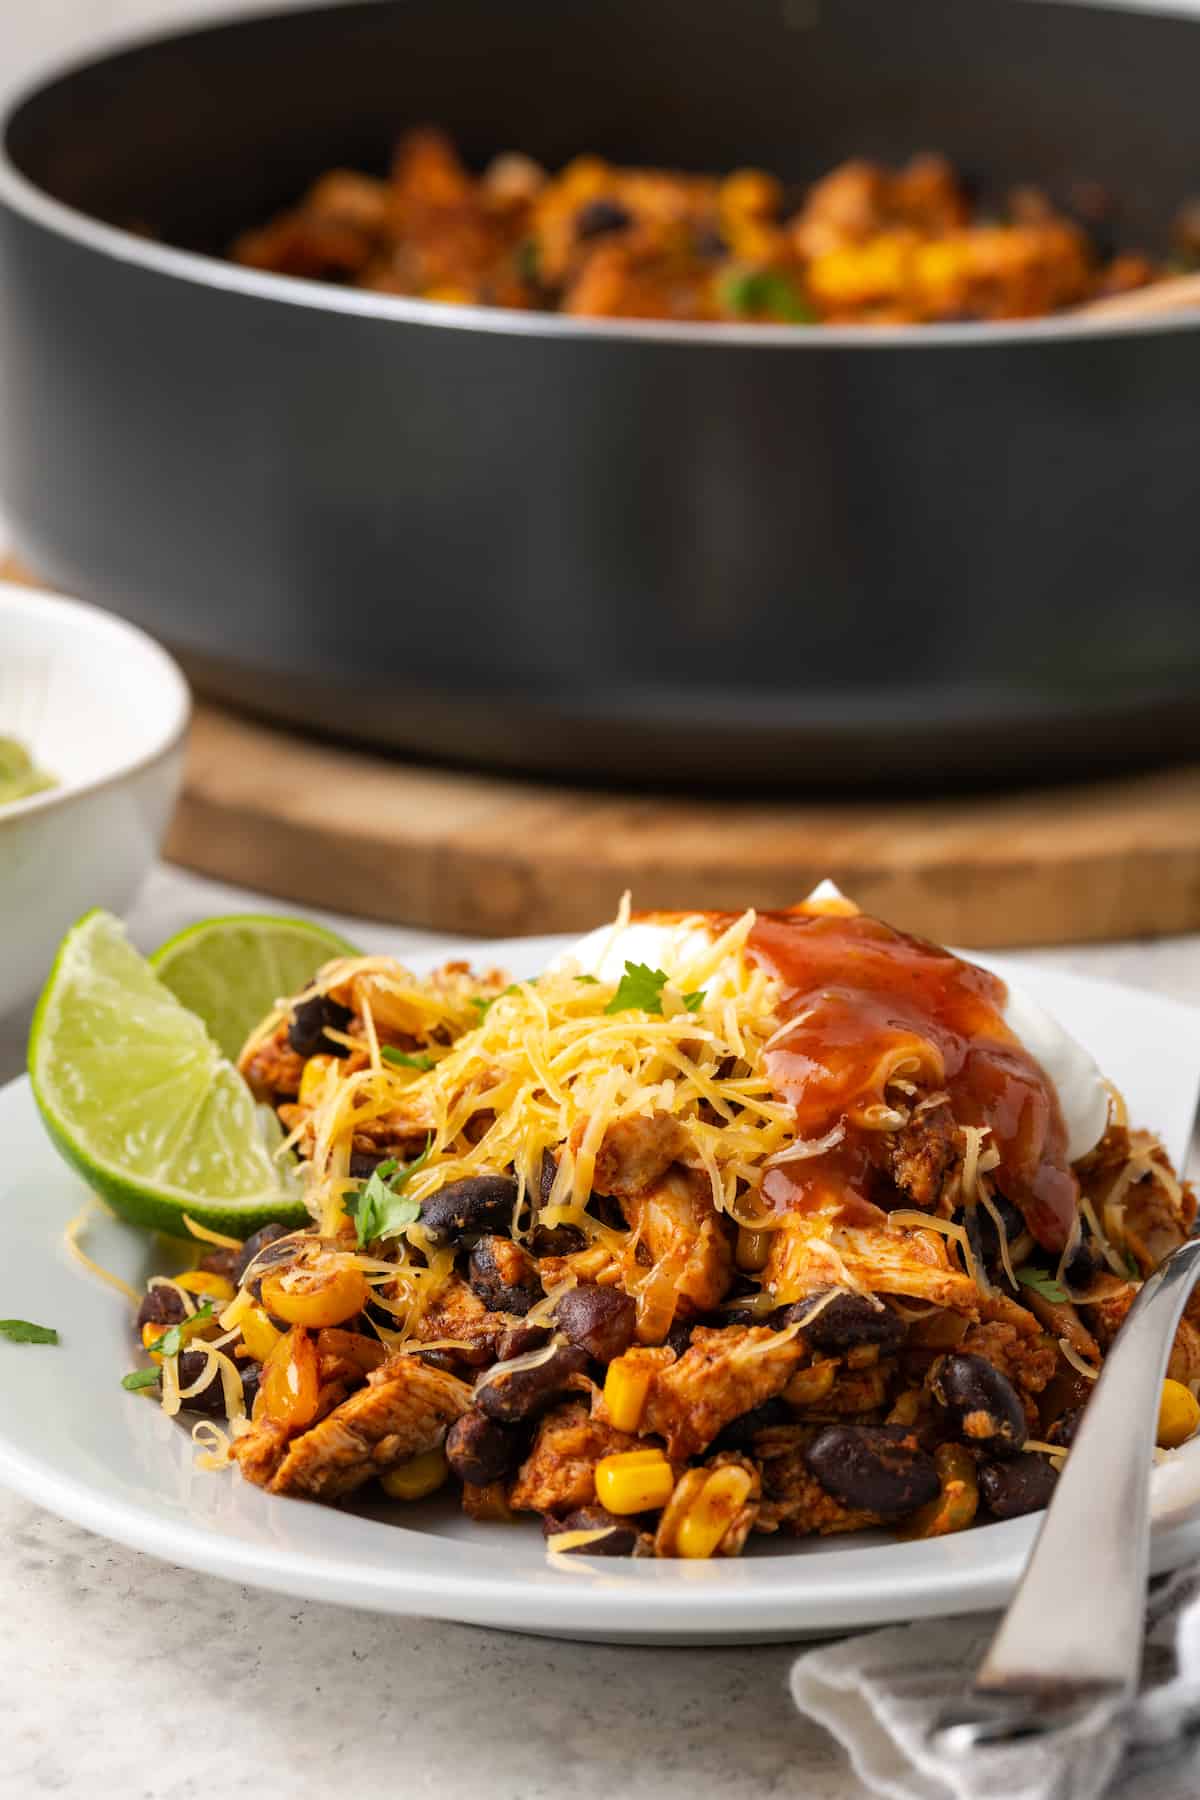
column 720, row 1226
column 864, row 244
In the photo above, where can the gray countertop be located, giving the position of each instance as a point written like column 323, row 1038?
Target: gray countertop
column 123, row 1677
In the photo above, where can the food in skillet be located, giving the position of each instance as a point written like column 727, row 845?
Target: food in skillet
column 720, row 1226
column 864, row 244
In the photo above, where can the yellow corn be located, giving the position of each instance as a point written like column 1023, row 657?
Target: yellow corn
column 419, row 1476
column 634, row 1481
column 1178, row 1415
column 712, row 1512
column 749, row 193
column 450, row 293
column 625, row 1390
column 258, row 1334
column 209, row 1287
column 313, row 1079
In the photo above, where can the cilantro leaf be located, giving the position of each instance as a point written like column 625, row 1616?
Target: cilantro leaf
column 639, row 990
column 20, row 1331
column 172, row 1340
column 751, row 293
column 1133, row 1266
column 402, row 1060
column 140, row 1378
column 1041, row 1283
column 589, row 979
column 381, row 1209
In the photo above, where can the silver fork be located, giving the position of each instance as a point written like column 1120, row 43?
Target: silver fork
column 1069, row 1649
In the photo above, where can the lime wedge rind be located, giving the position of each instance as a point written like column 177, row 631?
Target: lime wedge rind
column 145, row 1108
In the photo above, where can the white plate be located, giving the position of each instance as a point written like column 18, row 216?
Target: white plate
column 74, row 1441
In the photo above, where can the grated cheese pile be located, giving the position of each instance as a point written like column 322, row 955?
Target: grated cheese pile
column 548, row 1068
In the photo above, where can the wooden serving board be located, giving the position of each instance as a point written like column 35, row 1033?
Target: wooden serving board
column 492, row 854
column 497, row 855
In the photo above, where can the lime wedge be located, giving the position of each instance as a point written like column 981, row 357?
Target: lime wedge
column 138, row 1098
column 231, row 971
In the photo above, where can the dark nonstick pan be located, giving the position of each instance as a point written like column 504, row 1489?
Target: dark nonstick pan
column 814, row 557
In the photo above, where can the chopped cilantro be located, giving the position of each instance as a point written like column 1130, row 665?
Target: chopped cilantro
column 528, row 261
column 172, row 1340
column 381, row 1209
column 589, row 979
column 20, row 1331
column 1133, row 1266
column 402, row 1060
column 756, row 293
column 640, row 989
column 1041, row 1283
column 140, row 1378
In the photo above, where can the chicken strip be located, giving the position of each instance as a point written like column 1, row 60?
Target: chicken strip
column 405, row 1408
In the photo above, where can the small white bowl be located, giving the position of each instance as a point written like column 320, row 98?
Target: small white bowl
column 105, row 711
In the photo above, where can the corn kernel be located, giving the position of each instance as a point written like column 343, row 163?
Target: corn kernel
column 625, row 1390
column 208, row 1287
column 634, row 1481
column 313, row 1079
column 712, row 1512
column 258, row 1334
column 316, row 1297
column 418, row 1477
column 1178, row 1415
column 449, row 293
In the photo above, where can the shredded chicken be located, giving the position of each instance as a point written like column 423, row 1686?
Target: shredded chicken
column 404, row 1409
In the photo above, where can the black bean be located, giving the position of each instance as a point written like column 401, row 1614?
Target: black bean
column 161, row 1306
column 1020, row 1484
column 258, row 1240
column 602, row 1320
column 709, row 242
column 309, row 1021
column 211, row 1397
column 479, row 1450
column 503, row 1276
column 983, row 1236
column 445, row 1360
column 873, row 1468
column 848, row 1320
column 1065, row 1426
column 620, row 1537
column 363, row 1163
column 680, row 1335
column 251, row 1374
column 983, row 1403
column 518, row 1340
column 468, row 1208
column 553, row 1240
column 557, row 1240
column 740, row 1433
column 599, row 217
column 219, row 1262
column 1082, row 1263
column 511, row 1396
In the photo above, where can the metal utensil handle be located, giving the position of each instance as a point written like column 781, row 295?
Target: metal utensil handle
column 1076, row 1620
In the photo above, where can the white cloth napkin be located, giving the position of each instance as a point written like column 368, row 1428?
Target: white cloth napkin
column 879, row 1695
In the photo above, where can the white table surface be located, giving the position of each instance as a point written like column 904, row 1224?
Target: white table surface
column 125, row 1679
